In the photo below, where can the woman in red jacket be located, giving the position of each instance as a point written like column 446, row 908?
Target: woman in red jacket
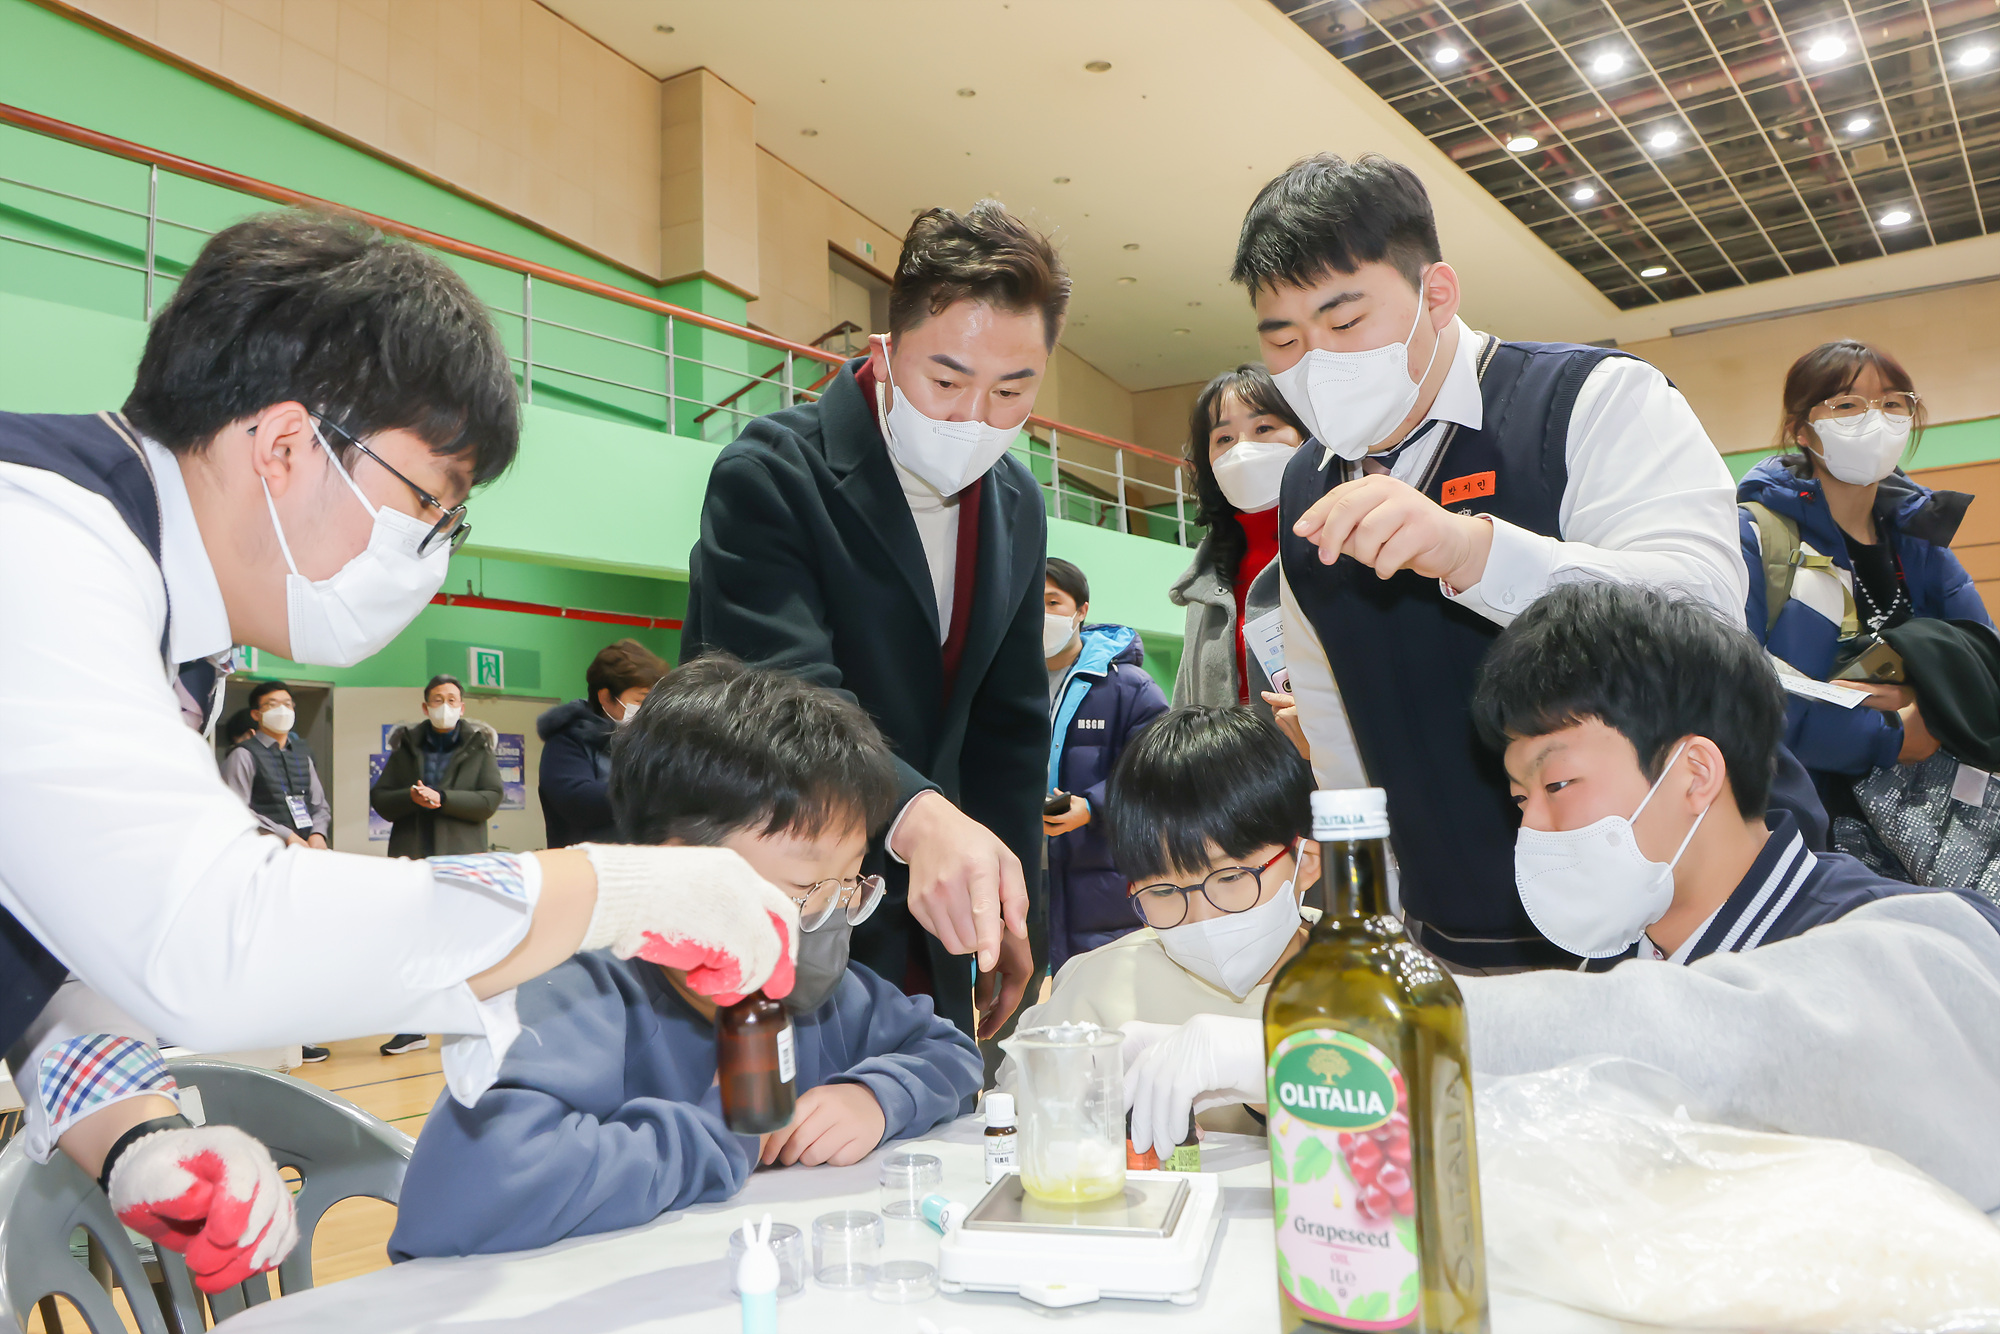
column 1241, row 435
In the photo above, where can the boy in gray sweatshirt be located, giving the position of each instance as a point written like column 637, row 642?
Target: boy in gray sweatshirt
column 606, row 1112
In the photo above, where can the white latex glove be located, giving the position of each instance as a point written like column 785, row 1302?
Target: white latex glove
column 211, row 1193
column 701, row 910
column 1212, row 1060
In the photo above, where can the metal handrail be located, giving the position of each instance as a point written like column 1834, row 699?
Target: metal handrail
column 529, row 271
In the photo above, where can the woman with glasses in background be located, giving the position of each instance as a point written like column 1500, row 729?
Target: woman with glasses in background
column 1841, row 545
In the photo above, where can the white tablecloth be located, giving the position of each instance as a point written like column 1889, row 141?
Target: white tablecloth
column 673, row 1276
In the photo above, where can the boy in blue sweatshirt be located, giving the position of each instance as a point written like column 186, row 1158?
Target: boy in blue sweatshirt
column 606, row 1112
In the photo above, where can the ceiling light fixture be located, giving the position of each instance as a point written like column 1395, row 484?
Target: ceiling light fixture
column 1522, row 143
column 1127, row 282
column 1607, row 64
column 1097, row 66
column 1445, row 55
column 1654, row 271
column 1131, row 245
column 1661, row 140
column 1972, row 57
column 1825, row 49
column 1859, row 125
column 1183, row 331
column 1895, row 217
column 1583, row 194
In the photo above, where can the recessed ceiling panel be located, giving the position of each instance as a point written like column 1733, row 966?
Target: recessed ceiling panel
column 1666, row 148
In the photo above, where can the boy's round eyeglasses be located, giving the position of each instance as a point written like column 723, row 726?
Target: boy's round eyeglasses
column 860, row 895
column 453, row 528
column 1230, row 889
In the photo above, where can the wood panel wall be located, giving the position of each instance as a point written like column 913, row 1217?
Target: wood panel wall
column 1978, row 542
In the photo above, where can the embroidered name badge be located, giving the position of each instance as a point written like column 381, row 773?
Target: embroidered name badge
column 1469, row 487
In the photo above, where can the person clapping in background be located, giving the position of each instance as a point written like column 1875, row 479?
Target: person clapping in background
column 438, row 790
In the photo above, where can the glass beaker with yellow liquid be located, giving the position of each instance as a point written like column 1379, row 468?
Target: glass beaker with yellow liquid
column 1071, row 1100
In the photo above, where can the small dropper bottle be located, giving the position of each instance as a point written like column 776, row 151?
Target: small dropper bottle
column 1001, row 1143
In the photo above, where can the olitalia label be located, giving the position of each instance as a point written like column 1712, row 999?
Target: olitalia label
column 1342, row 1196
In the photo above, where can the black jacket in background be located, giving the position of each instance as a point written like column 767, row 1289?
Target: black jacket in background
column 470, row 789
column 575, row 773
column 809, row 560
column 1954, row 668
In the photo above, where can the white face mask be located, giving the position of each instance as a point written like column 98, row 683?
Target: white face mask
column 1232, row 952
column 278, row 720
column 1862, row 450
column 370, row 600
column 1351, row 400
column 1591, row 891
column 626, row 716
column 1250, row 473
column 949, row 456
column 1057, row 632
column 444, row 717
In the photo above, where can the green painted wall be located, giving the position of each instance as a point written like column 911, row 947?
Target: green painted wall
column 603, row 505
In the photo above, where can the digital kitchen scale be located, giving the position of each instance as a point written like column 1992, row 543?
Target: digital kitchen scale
column 1149, row 1243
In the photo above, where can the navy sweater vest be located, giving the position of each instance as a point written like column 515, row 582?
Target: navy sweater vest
column 276, row 774
column 1405, row 657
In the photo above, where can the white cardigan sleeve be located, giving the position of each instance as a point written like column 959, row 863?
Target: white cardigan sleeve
column 125, row 854
column 1882, row 1027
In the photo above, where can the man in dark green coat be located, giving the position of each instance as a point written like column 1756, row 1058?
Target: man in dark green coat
column 442, row 782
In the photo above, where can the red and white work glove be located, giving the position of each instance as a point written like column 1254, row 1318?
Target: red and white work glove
column 700, row 910
column 1173, row 1071
column 213, row 1194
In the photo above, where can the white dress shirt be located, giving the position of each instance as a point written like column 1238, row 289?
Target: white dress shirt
column 124, row 853
column 936, row 515
column 1648, row 501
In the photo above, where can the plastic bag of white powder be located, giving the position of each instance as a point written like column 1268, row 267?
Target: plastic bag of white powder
column 1602, row 1192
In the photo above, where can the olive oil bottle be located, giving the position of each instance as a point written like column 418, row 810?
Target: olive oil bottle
column 1374, row 1177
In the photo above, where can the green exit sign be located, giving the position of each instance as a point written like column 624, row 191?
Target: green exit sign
column 486, row 669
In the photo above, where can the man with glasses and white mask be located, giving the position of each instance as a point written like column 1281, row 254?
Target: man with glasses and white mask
column 880, row 541
column 1452, row 479
column 290, row 472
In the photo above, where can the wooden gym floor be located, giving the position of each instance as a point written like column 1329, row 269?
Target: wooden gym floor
column 353, row 1237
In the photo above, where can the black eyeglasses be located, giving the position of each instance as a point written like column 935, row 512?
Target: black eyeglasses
column 1231, row 889
column 453, row 528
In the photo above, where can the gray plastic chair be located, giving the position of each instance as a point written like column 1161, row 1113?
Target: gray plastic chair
column 338, row 1150
column 41, row 1207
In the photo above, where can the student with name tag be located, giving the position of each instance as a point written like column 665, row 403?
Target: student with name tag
column 1100, row 697
column 275, row 774
column 1453, row 478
